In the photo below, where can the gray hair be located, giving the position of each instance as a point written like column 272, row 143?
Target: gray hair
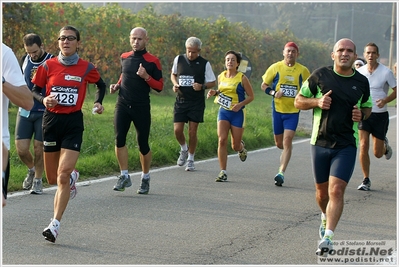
column 193, row 42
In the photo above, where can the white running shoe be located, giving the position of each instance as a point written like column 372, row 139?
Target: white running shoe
column 365, row 185
column 182, row 158
column 324, row 247
column 190, row 165
column 74, row 178
column 51, row 231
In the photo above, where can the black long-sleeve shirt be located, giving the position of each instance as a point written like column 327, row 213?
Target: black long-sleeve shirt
column 134, row 89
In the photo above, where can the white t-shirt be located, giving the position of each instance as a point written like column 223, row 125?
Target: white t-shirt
column 11, row 71
column 380, row 81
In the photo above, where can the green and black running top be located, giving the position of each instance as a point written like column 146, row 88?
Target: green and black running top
column 334, row 128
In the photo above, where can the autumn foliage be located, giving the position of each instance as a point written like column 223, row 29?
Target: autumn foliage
column 105, row 35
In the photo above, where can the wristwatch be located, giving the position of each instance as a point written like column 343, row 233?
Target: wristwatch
column 4, row 80
column 273, row 93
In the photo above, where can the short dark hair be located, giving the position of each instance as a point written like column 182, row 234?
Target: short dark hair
column 31, row 39
column 71, row 28
column 237, row 54
column 373, row 44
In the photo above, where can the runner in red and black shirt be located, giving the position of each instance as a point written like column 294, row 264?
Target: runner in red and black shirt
column 140, row 71
column 65, row 78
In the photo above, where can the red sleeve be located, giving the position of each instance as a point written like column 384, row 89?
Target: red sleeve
column 120, row 79
column 156, row 85
column 156, row 80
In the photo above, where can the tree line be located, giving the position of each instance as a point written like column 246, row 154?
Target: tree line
column 105, row 35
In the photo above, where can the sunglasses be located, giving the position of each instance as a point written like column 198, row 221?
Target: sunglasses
column 358, row 65
column 69, row 38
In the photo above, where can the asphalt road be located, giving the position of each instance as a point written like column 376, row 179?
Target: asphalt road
column 189, row 219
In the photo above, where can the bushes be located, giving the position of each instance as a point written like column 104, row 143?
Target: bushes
column 105, row 35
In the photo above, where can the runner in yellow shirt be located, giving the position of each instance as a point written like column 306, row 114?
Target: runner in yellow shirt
column 283, row 80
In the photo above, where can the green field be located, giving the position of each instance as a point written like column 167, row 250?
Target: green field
column 97, row 158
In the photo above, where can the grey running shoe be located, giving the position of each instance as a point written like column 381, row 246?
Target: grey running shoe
column 27, row 184
column 144, row 187
column 365, row 185
column 243, row 154
column 325, row 246
column 221, row 177
column 182, row 158
column 122, row 182
column 279, row 179
column 37, row 187
column 190, row 165
column 388, row 153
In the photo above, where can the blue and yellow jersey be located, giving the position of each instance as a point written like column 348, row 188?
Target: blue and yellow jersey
column 279, row 76
column 231, row 90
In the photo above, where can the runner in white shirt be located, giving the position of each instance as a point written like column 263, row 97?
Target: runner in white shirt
column 15, row 89
column 381, row 79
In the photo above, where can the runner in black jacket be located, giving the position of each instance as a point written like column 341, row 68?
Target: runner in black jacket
column 140, row 71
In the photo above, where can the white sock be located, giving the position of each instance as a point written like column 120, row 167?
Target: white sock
column 56, row 222
column 323, row 216
column 145, row 176
column 32, row 169
column 125, row 173
column 329, row 233
column 190, row 156
column 184, row 147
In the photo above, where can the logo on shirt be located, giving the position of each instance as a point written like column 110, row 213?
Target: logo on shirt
column 354, row 87
column 33, row 72
column 289, row 78
column 73, row 78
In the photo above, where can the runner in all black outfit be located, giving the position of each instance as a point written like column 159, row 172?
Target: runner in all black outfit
column 140, row 72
